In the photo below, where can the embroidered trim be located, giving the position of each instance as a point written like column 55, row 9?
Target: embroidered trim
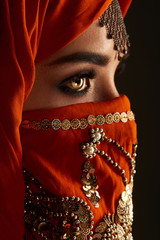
column 55, row 218
column 82, row 123
column 48, row 217
column 119, row 225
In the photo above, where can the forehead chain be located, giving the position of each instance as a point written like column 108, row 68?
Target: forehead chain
column 112, row 19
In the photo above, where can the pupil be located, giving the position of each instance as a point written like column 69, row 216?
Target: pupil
column 78, row 82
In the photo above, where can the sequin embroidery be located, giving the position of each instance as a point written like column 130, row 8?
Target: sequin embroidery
column 55, row 217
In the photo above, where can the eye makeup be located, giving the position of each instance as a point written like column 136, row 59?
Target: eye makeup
column 77, row 84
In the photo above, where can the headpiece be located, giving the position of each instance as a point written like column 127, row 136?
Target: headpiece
column 112, row 19
column 66, row 20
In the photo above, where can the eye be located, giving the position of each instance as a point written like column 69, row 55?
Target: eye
column 78, row 84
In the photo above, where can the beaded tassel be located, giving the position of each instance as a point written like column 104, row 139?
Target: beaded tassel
column 112, row 19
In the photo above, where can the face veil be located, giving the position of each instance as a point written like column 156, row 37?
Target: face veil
column 80, row 155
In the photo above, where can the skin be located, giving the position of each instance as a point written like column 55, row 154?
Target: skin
column 90, row 52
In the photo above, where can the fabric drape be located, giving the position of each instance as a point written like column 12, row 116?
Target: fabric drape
column 30, row 31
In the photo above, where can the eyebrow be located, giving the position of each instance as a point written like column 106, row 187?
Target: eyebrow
column 88, row 57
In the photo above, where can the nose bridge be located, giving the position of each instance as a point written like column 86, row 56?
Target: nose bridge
column 107, row 90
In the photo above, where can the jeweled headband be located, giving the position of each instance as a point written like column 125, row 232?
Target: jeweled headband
column 112, row 19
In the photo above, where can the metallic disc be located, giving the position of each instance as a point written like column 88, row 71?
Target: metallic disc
column 101, row 227
column 36, row 125
column 26, row 124
column 75, row 124
column 124, row 117
column 116, row 117
column 130, row 115
column 91, row 119
column 56, row 124
column 45, row 124
column 97, row 236
column 124, row 196
column 65, row 124
column 109, row 118
column 100, row 120
column 83, row 123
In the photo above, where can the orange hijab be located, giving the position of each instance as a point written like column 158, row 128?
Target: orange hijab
column 28, row 30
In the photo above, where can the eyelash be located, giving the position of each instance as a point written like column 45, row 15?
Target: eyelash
column 88, row 74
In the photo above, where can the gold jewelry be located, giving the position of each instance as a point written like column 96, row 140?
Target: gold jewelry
column 112, row 19
column 82, row 123
column 90, row 150
column 52, row 217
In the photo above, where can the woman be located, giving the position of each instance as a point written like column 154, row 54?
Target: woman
column 78, row 134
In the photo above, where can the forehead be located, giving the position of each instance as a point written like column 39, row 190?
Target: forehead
column 94, row 39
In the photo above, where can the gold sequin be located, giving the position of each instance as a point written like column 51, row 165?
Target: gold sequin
column 36, row 125
column 42, row 226
column 75, row 123
column 124, row 117
column 97, row 236
column 45, row 124
column 65, row 124
column 100, row 120
column 116, row 117
column 91, row 120
column 101, row 227
column 83, row 123
column 56, row 124
column 130, row 115
column 26, row 124
column 109, row 118
column 90, row 185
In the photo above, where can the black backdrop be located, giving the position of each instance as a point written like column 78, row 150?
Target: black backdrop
column 140, row 82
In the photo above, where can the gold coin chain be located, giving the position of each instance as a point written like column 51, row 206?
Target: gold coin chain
column 82, row 123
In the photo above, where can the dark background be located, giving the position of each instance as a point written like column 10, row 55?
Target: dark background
column 140, row 82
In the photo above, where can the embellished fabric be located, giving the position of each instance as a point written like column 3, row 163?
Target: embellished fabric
column 118, row 225
column 49, row 217
column 90, row 185
column 91, row 167
column 82, row 123
column 90, row 150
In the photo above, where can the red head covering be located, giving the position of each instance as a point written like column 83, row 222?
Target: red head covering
column 79, row 15
column 30, row 32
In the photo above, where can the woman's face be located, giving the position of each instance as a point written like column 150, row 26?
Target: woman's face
column 81, row 72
